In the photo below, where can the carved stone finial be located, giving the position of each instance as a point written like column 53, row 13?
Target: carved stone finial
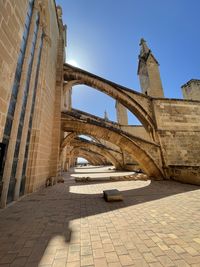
column 144, row 49
column 59, row 12
column 106, row 115
column 142, row 41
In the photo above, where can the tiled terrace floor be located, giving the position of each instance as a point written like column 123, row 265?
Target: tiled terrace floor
column 157, row 224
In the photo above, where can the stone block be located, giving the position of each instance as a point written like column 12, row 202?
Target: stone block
column 51, row 181
column 112, row 195
column 60, row 179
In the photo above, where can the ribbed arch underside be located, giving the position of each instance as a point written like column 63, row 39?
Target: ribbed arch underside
column 96, row 149
column 93, row 158
column 146, row 162
column 137, row 103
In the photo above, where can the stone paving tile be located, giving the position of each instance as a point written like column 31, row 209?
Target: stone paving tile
column 100, row 262
column 18, row 262
column 165, row 261
column 149, row 257
column 140, row 263
column 8, row 258
column 73, row 264
column 121, row 250
column 156, row 264
column 114, row 264
column 98, row 253
column 125, row 260
column 70, row 225
column 86, row 250
column 59, row 262
column 111, row 257
column 87, row 260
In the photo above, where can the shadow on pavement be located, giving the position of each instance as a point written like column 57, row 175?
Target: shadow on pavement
column 37, row 228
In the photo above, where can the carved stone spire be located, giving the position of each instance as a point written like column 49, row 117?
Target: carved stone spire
column 106, row 115
column 144, row 49
column 148, row 71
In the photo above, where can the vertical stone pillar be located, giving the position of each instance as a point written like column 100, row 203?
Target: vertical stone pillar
column 56, row 138
column 17, row 114
column 67, row 97
column 148, row 71
column 122, row 117
column 27, row 118
column 35, row 132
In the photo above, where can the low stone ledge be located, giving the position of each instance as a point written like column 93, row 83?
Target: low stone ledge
column 52, row 180
column 185, row 174
column 112, row 195
column 132, row 177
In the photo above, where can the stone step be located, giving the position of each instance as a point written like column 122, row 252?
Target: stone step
column 112, row 195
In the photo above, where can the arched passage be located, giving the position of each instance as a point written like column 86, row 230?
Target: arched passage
column 86, row 157
column 137, row 103
column 80, row 160
column 66, row 141
column 112, row 155
column 100, row 149
column 92, row 157
column 146, row 153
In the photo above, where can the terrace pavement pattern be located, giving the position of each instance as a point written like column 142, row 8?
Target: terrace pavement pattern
column 70, row 224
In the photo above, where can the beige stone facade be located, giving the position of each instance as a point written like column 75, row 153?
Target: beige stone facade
column 37, row 110
column 12, row 17
column 40, row 131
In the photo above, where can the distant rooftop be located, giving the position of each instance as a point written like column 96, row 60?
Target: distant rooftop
column 190, row 82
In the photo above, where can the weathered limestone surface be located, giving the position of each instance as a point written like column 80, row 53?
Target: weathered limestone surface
column 173, row 125
column 44, row 143
column 137, row 130
column 12, row 18
column 179, row 131
column 145, row 152
column 122, row 116
column 136, row 102
column 43, row 156
column 191, row 90
column 148, row 71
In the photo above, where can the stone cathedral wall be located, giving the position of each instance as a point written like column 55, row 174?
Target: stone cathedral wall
column 44, row 143
column 178, row 127
column 12, row 17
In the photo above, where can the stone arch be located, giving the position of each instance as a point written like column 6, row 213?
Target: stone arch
column 139, row 104
column 146, row 153
column 90, row 161
column 94, row 158
column 100, row 149
column 66, row 141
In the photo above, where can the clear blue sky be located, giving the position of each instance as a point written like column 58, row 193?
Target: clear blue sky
column 103, row 38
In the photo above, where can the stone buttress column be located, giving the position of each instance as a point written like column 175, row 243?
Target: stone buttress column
column 33, row 84
column 122, row 116
column 37, row 117
column 17, row 114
